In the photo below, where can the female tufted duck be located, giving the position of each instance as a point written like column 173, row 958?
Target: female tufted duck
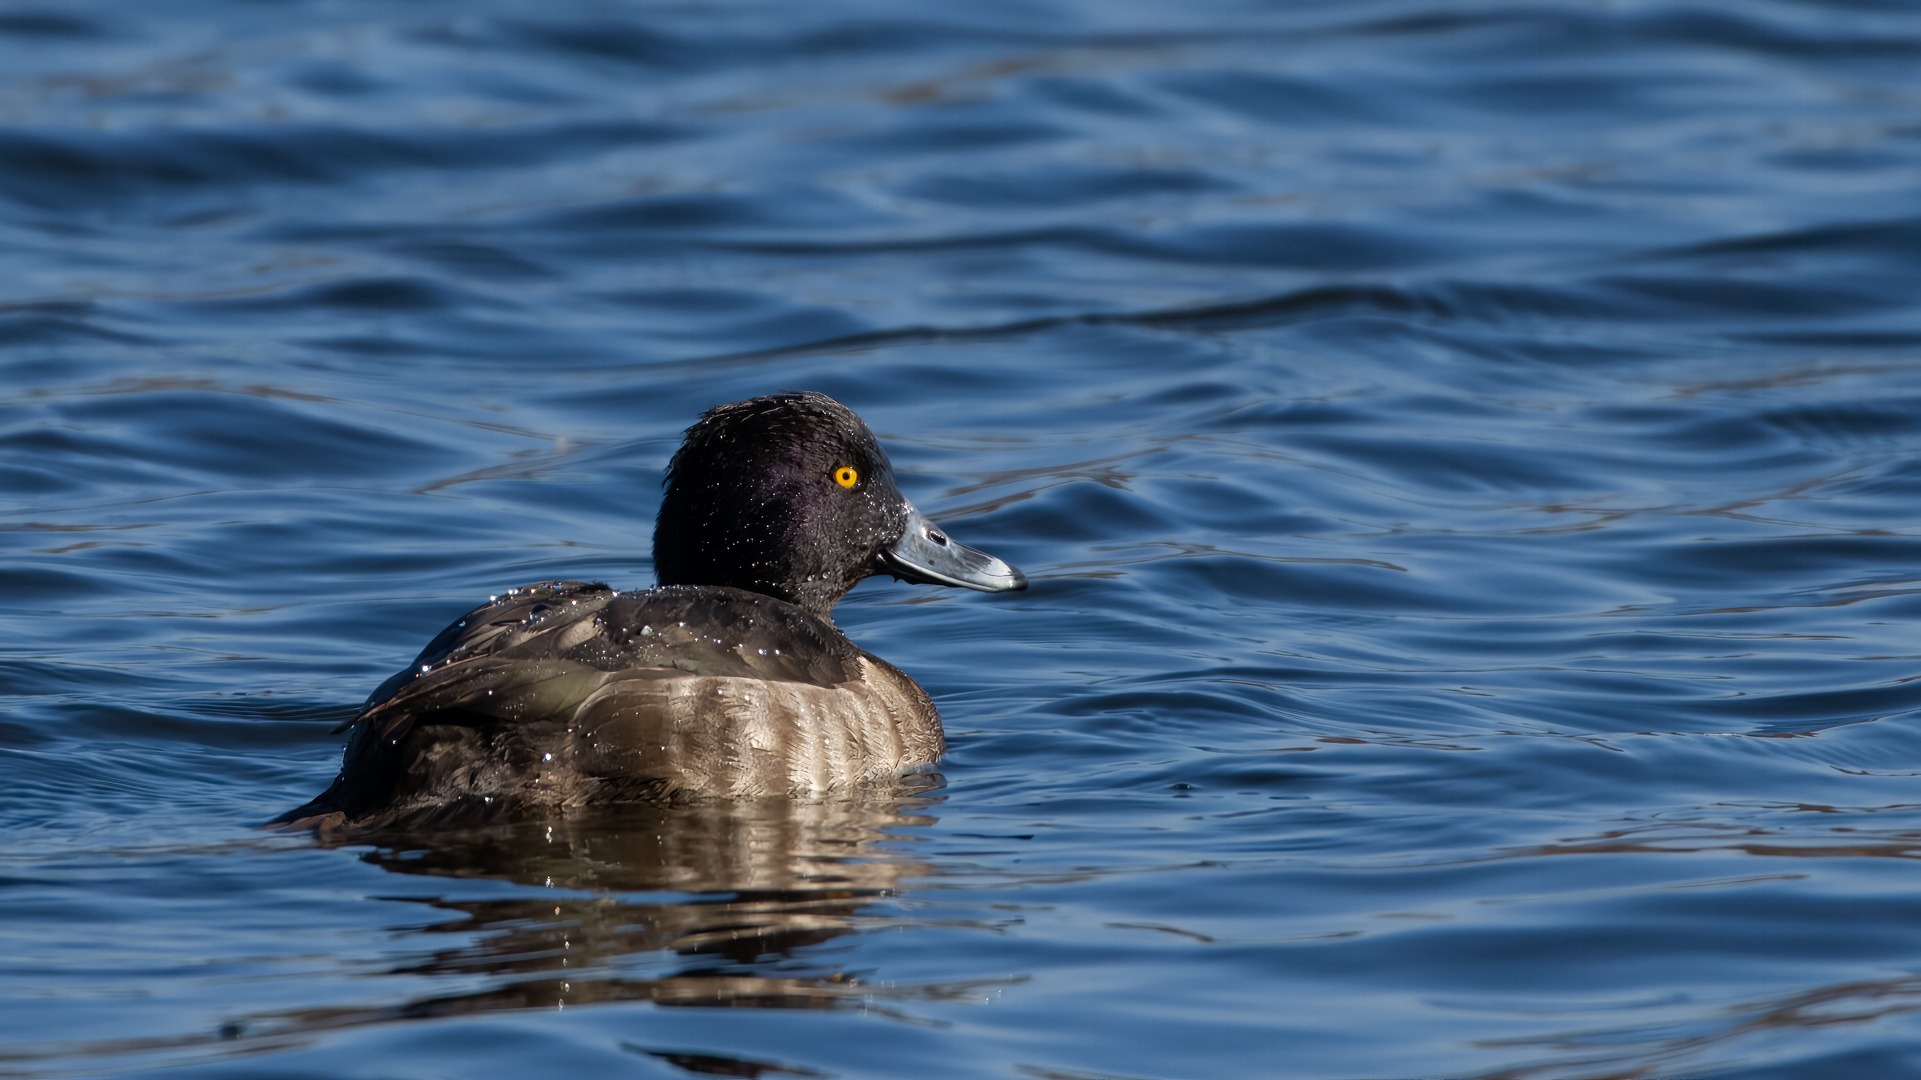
column 729, row 679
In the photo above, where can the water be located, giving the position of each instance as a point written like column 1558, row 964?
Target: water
column 1465, row 453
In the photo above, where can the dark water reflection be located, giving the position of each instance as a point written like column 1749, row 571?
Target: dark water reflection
column 743, row 896
column 752, row 891
column 1465, row 455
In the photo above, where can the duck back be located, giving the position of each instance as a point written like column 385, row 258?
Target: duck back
column 567, row 693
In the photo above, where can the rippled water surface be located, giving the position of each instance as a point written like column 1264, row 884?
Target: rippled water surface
column 1467, row 454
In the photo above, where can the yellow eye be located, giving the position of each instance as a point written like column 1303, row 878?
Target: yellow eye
column 845, row 476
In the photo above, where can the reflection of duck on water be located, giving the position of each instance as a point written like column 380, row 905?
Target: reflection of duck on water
column 717, row 904
column 729, row 679
column 768, row 877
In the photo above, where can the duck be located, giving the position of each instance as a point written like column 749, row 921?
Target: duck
column 728, row 679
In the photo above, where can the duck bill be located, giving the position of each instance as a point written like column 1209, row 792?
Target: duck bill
column 924, row 554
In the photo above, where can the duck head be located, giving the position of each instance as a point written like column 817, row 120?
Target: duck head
column 790, row 495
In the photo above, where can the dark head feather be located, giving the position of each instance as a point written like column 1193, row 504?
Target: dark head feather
column 752, row 501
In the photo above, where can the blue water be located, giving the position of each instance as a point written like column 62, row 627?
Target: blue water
column 1467, row 455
